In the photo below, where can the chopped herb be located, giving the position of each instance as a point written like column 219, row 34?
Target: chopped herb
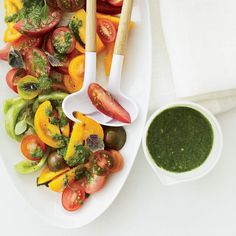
column 80, row 156
column 63, row 140
column 62, row 42
column 62, row 151
column 45, row 83
column 65, row 180
column 40, row 64
column 38, row 153
column 74, row 25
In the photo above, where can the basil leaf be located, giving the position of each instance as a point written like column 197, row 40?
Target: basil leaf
column 45, row 11
column 21, row 127
column 15, row 59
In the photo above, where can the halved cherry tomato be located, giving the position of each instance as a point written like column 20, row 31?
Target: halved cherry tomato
column 106, row 31
column 76, row 67
column 4, row 52
column 94, row 183
column 73, row 196
column 63, row 40
column 104, row 7
column 118, row 161
column 101, row 162
column 106, row 104
column 117, row 3
column 36, row 62
column 73, row 85
column 13, row 76
column 24, row 43
column 70, row 5
column 32, row 147
column 54, row 18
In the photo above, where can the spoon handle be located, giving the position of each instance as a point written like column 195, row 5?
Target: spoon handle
column 91, row 26
column 123, row 30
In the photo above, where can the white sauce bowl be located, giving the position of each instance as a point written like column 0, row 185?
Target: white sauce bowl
column 167, row 177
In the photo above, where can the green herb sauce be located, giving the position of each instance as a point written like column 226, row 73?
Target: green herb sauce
column 180, row 139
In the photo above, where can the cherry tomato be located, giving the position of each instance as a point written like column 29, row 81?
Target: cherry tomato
column 32, row 147
column 73, row 196
column 106, row 104
column 4, row 52
column 101, row 162
column 103, row 6
column 94, row 183
column 73, row 85
column 63, row 40
column 53, row 19
column 117, row 3
column 71, row 5
column 36, row 62
column 64, row 59
column 24, row 43
column 106, row 31
column 118, row 161
column 13, row 76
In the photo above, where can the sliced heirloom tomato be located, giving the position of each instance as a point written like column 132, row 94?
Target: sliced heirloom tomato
column 70, row 5
column 118, row 161
column 36, row 62
column 73, row 196
column 33, row 148
column 13, row 76
column 63, row 40
column 106, row 31
column 28, row 87
column 94, row 183
column 103, row 6
column 117, row 3
column 24, row 43
column 4, row 52
column 106, row 104
column 28, row 28
column 101, row 162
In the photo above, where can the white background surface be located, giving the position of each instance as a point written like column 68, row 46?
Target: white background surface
column 144, row 207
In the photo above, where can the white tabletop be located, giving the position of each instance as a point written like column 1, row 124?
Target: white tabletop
column 145, row 207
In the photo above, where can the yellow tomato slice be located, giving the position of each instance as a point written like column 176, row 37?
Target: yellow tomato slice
column 44, row 129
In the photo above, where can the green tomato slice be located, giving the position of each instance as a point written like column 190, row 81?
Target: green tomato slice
column 28, row 87
column 28, row 167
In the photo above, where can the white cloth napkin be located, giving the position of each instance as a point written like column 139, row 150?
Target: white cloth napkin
column 200, row 36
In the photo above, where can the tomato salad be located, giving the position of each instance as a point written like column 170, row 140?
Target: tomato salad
column 47, row 59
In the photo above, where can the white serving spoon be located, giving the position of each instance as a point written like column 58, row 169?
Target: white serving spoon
column 80, row 101
column 117, row 66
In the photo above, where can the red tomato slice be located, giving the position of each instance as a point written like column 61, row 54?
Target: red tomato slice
column 59, row 40
column 53, row 19
column 4, row 52
column 48, row 46
column 36, row 62
column 73, row 197
column 104, row 7
column 31, row 146
column 106, row 31
column 24, row 43
column 117, row 3
column 95, row 183
column 101, row 162
column 106, row 104
column 118, row 161
column 13, row 76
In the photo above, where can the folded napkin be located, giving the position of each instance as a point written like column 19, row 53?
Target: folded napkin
column 200, row 37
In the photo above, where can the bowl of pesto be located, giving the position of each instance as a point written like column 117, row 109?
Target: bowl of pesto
column 182, row 142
